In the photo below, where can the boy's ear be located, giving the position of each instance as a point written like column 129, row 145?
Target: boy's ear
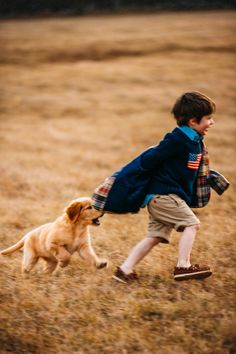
column 192, row 122
column 73, row 211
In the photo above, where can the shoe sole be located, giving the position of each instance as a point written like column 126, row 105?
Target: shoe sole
column 119, row 279
column 196, row 275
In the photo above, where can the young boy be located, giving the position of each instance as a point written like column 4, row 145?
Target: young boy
column 174, row 179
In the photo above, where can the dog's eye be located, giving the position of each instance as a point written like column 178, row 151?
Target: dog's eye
column 90, row 207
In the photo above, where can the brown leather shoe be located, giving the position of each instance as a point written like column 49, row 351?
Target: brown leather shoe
column 193, row 272
column 122, row 277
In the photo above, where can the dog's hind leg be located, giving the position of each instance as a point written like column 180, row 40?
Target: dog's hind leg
column 29, row 260
column 63, row 257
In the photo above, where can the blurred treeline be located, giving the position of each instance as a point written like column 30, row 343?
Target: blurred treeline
column 14, row 8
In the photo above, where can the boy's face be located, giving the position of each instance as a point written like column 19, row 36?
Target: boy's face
column 202, row 127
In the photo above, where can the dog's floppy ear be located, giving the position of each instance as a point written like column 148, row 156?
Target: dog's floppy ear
column 73, row 211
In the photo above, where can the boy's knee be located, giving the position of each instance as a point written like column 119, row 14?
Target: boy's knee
column 195, row 227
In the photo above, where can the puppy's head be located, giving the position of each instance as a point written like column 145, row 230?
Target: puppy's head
column 81, row 211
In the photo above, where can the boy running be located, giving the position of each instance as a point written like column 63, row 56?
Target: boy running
column 175, row 177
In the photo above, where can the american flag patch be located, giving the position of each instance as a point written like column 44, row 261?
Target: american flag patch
column 194, row 161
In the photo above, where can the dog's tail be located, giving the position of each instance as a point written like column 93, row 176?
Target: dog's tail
column 13, row 248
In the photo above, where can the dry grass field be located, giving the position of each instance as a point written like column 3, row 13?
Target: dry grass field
column 80, row 97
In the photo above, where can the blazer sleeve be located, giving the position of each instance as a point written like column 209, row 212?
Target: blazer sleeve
column 218, row 182
column 155, row 156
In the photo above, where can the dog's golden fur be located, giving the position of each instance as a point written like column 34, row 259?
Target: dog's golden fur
column 55, row 242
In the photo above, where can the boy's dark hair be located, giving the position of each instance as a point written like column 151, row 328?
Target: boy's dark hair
column 192, row 105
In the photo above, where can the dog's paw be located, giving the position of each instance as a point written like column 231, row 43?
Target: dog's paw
column 56, row 273
column 102, row 264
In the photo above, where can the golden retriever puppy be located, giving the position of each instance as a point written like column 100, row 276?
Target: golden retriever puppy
column 55, row 242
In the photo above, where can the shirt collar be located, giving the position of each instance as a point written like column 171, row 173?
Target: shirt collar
column 191, row 133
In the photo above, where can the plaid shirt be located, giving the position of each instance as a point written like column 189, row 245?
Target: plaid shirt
column 100, row 194
column 218, row 182
column 207, row 179
column 202, row 190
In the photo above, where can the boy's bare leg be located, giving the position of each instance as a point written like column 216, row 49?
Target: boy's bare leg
column 185, row 246
column 138, row 253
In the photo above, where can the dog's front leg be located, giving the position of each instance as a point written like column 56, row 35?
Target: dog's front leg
column 49, row 266
column 61, row 254
column 87, row 252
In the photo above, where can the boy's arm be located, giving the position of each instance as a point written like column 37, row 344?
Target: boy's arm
column 153, row 157
column 218, row 182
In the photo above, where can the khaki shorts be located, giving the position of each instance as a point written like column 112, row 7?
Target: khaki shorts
column 168, row 212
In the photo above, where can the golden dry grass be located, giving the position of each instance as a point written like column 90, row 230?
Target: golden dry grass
column 79, row 98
